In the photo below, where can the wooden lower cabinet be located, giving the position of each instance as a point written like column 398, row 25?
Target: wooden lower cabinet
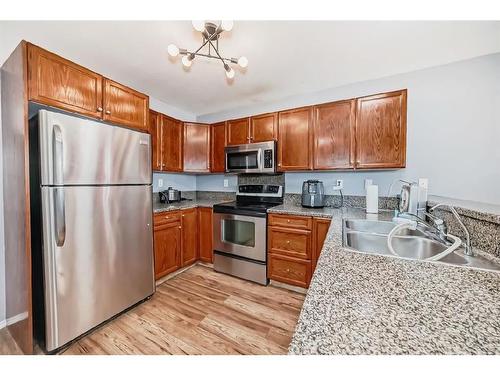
column 205, row 230
column 320, row 230
column 189, row 227
column 167, row 248
column 175, row 240
column 289, row 270
column 294, row 245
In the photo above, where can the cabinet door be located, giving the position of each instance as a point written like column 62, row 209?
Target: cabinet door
column 264, row 128
column 60, row 83
column 205, row 229
column 196, row 147
column 155, row 131
column 218, row 142
column 167, row 247
column 320, row 230
column 289, row 270
column 333, row 135
column 295, row 139
column 189, row 220
column 172, row 142
column 290, row 242
column 125, row 106
column 237, row 131
column 381, row 131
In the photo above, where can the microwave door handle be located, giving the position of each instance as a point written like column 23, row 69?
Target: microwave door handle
column 260, row 159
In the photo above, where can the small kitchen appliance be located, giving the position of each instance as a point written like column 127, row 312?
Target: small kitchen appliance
column 170, row 195
column 313, row 194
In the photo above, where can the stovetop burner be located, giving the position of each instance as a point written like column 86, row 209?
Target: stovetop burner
column 252, row 200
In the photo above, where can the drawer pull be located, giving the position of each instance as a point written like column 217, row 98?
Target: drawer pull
column 288, row 270
column 179, row 227
column 288, row 221
column 288, row 241
column 167, row 217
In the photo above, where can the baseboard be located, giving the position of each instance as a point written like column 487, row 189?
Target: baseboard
column 3, row 324
column 16, row 318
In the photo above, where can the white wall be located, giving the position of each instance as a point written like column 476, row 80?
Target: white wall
column 181, row 182
column 216, row 182
column 453, row 129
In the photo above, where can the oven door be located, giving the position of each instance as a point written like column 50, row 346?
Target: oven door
column 240, row 235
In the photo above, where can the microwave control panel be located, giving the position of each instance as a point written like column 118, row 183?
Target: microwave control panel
column 268, row 158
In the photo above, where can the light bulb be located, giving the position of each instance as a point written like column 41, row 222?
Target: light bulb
column 226, row 25
column 199, row 25
column 186, row 61
column 230, row 73
column 243, row 62
column 173, row 50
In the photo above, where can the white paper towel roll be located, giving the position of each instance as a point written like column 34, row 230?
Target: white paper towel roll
column 372, row 199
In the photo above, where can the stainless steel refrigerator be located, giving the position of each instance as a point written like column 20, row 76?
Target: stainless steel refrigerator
column 91, row 204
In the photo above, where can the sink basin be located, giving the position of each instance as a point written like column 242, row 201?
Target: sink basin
column 406, row 246
column 380, row 227
column 370, row 236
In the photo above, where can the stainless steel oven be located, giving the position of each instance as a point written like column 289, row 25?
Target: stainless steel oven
column 251, row 158
column 244, row 236
column 240, row 232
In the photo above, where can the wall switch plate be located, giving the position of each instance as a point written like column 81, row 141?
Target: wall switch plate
column 368, row 182
column 226, row 182
column 339, row 185
column 160, row 182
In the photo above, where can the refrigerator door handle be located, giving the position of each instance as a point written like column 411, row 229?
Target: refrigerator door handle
column 57, row 154
column 60, row 216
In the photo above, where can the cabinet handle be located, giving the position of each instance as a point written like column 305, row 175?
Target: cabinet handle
column 288, row 241
column 279, row 164
column 179, row 227
column 288, row 270
column 183, row 215
column 288, row 221
column 167, row 217
column 99, row 109
column 108, row 112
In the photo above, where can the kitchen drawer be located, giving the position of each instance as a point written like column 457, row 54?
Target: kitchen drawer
column 290, row 242
column 289, row 270
column 290, row 221
column 166, row 217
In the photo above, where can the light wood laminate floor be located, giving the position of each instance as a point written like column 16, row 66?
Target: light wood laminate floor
column 201, row 312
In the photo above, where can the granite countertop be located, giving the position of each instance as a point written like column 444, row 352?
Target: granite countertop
column 182, row 205
column 360, row 303
column 293, row 209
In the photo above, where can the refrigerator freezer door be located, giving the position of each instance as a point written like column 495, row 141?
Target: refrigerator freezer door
column 110, row 155
column 97, row 255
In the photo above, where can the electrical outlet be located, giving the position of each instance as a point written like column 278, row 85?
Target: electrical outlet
column 339, row 185
column 423, row 183
column 160, row 182
column 226, row 182
column 368, row 182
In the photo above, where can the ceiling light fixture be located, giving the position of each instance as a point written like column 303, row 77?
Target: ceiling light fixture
column 210, row 32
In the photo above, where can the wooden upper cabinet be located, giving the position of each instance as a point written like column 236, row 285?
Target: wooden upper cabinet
column 125, row 106
column 218, row 142
column 60, row 83
column 196, row 147
column 172, row 144
column 238, row 131
column 381, row 131
column 333, row 135
column 295, row 139
column 264, row 128
column 155, row 131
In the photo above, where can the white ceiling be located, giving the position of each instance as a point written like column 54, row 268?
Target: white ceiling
column 285, row 57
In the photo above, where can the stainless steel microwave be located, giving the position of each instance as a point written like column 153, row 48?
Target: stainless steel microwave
column 251, row 158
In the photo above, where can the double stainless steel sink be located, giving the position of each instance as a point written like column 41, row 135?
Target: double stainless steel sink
column 370, row 236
